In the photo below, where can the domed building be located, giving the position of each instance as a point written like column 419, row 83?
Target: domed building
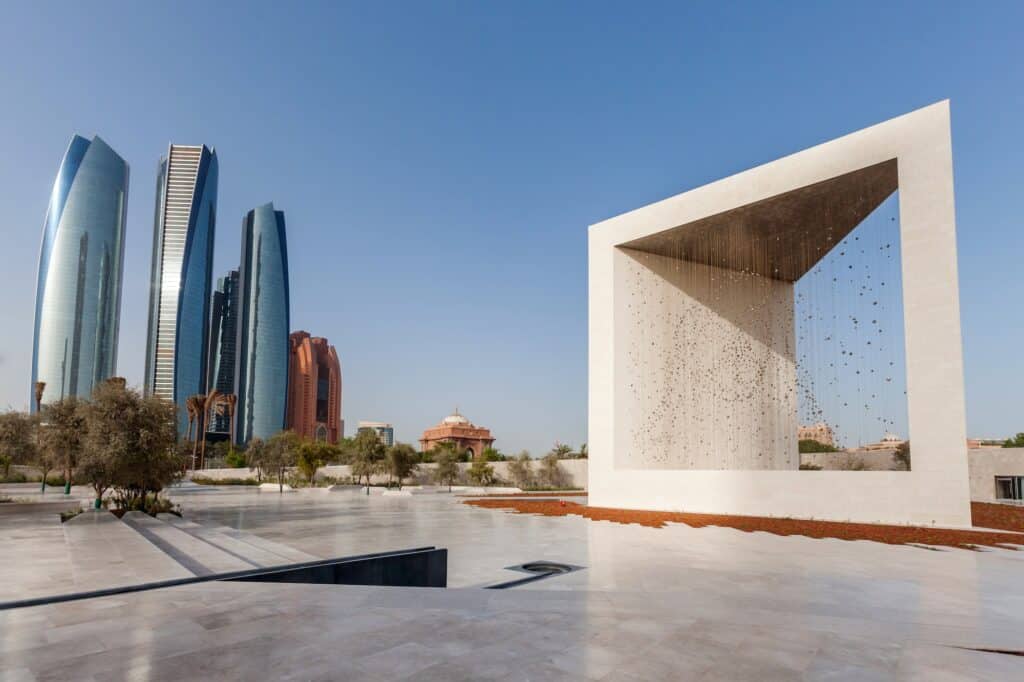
column 470, row 438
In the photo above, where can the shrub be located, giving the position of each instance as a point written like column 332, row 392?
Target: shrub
column 810, row 445
column 150, row 503
column 551, row 473
column 235, row 460
column 520, row 470
column 69, row 514
column 481, row 473
column 205, row 480
column 548, row 489
column 902, row 455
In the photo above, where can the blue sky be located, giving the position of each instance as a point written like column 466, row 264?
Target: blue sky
column 439, row 163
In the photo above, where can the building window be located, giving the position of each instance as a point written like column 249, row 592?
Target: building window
column 1009, row 487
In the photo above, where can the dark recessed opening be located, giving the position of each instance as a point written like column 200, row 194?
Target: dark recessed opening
column 538, row 570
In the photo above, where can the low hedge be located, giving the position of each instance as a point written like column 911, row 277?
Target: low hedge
column 204, row 480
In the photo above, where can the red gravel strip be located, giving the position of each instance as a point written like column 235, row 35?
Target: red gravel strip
column 893, row 535
column 549, row 495
column 1004, row 516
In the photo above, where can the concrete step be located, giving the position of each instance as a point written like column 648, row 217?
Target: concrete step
column 253, row 554
column 197, row 555
column 106, row 553
column 290, row 553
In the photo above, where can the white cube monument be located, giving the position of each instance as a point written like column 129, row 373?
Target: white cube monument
column 704, row 419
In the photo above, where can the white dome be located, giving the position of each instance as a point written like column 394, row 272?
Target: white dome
column 455, row 419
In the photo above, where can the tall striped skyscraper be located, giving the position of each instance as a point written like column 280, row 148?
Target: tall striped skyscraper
column 179, row 291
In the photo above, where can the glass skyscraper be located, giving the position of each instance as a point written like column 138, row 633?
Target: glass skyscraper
column 78, row 293
column 184, row 224
column 262, row 348
column 223, row 333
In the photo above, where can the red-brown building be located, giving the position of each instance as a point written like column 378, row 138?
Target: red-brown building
column 455, row 428
column 314, row 388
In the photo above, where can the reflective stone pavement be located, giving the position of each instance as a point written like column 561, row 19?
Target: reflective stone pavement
column 671, row 603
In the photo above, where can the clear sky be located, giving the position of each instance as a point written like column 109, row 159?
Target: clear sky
column 439, row 163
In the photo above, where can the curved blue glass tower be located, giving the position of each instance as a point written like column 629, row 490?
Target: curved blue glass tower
column 184, row 224
column 78, row 293
column 262, row 350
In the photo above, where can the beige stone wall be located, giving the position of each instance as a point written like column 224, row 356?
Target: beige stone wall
column 874, row 460
column 987, row 463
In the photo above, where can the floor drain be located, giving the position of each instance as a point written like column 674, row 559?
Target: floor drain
column 538, row 570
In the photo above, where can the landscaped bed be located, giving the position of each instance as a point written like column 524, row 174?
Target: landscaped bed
column 1002, row 516
column 553, row 493
column 1013, row 519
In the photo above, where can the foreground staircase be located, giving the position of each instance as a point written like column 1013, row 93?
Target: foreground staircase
column 108, row 552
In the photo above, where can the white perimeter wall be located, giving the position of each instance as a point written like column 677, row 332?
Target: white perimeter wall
column 574, row 470
column 985, row 464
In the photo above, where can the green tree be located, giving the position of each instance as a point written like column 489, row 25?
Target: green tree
column 447, row 471
column 520, row 470
column 309, row 460
column 1015, row 442
column 61, row 438
column 327, row 453
column 583, row 453
column 280, row 454
column 343, row 451
column 254, row 453
column 481, row 473
column 46, row 460
column 902, row 455
column 492, row 455
column 17, row 439
column 551, row 473
column 400, row 462
column 367, row 456
column 129, row 443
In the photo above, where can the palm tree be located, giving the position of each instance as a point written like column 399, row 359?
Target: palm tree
column 194, row 405
column 40, row 387
column 230, row 400
column 209, row 401
column 561, row 451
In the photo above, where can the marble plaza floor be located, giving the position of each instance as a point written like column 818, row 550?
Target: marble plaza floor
column 670, row 603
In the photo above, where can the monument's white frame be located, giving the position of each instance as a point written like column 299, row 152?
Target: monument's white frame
column 936, row 490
